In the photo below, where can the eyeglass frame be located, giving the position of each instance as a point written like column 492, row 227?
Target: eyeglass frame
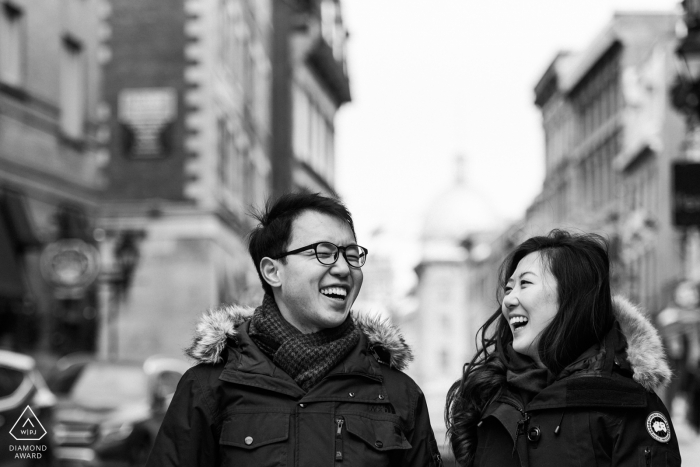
column 341, row 249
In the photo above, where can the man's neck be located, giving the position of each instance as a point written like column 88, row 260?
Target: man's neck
column 291, row 319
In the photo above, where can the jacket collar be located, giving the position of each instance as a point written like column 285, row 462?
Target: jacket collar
column 247, row 365
column 645, row 352
column 632, row 346
column 220, row 326
column 642, row 356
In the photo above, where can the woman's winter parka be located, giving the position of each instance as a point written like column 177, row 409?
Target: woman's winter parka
column 602, row 412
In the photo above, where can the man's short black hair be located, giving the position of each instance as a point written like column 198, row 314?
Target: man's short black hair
column 272, row 235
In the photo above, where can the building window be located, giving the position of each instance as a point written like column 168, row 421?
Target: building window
column 224, row 147
column 301, row 130
column 11, row 45
column 73, row 85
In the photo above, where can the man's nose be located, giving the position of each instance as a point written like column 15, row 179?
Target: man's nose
column 341, row 266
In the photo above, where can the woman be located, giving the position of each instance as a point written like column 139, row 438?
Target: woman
column 565, row 374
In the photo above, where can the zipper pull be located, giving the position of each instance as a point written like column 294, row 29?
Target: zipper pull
column 647, row 456
column 340, row 421
column 521, row 429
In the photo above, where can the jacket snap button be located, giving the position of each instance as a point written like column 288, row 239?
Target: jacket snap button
column 379, row 444
column 351, row 394
column 381, row 397
column 302, row 405
column 533, row 434
column 248, row 440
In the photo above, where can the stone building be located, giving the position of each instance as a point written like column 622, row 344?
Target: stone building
column 439, row 321
column 51, row 154
column 187, row 92
column 310, row 83
column 213, row 107
column 610, row 137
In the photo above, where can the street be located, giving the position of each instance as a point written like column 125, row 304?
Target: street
column 688, row 439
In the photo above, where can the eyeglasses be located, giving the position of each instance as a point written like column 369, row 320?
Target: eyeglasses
column 328, row 253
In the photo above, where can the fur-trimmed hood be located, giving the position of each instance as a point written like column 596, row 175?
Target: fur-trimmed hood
column 644, row 349
column 218, row 325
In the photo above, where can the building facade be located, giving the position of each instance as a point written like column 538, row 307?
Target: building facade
column 437, row 318
column 310, row 83
column 188, row 96
column 51, row 156
column 213, row 107
column 610, row 137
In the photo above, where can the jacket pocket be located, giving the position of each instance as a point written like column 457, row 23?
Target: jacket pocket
column 375, row 440
column 657, row 456
column 258, row 439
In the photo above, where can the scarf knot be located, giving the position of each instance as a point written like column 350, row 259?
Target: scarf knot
column 307, row 358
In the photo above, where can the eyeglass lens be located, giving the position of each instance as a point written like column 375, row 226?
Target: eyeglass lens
column 327, row 254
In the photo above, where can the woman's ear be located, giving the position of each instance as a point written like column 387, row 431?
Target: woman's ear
column 270, row 272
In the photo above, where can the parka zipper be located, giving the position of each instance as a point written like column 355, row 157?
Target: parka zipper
column 647, row 456
column 340, row 421
column 521, row 428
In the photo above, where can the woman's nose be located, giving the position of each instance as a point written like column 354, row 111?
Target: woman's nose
column 510, row 300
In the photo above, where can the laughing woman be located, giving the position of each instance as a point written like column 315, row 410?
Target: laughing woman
column 565, row 374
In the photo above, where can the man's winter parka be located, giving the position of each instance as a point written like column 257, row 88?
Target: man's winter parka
column 236, row 408
column 602, row 412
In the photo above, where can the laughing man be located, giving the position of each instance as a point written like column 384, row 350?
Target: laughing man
column 301, row 382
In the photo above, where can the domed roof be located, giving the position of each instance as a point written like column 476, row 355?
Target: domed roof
column 453, row 216
column 459, row 211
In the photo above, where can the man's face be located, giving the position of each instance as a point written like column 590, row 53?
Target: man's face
column 303, row 280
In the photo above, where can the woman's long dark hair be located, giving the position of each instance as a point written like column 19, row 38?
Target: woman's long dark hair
column 580, row 265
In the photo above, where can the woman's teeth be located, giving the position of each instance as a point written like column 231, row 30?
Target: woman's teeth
column 518, row 321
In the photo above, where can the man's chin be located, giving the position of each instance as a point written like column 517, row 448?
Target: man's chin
column 333, row 318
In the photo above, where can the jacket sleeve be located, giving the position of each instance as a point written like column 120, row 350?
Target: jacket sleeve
column 631, row 440
column 424, row 450
column 186, row 438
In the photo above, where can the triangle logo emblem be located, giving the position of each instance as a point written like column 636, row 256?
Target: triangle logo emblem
column 28, row 427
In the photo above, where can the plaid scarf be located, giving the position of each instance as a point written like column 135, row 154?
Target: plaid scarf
column 305, row 357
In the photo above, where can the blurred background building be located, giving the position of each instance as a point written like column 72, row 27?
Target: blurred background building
column 51, row 159
column 134, row 139
column 611, row 135
column 441, row 324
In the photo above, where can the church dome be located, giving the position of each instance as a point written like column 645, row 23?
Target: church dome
column 457, row 213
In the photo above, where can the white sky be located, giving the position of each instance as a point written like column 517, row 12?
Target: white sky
column 433, row 79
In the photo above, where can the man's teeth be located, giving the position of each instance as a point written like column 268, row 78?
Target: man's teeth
column 334, row 291
column 518, row 321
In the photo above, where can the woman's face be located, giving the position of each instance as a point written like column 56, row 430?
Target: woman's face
column 530, row 303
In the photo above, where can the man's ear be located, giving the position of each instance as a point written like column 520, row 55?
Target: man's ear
column 270, row 272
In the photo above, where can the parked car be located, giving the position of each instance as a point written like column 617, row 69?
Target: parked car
column 22, row 386
column 109, row 413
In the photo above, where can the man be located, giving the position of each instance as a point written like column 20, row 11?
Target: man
column 302, row 382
